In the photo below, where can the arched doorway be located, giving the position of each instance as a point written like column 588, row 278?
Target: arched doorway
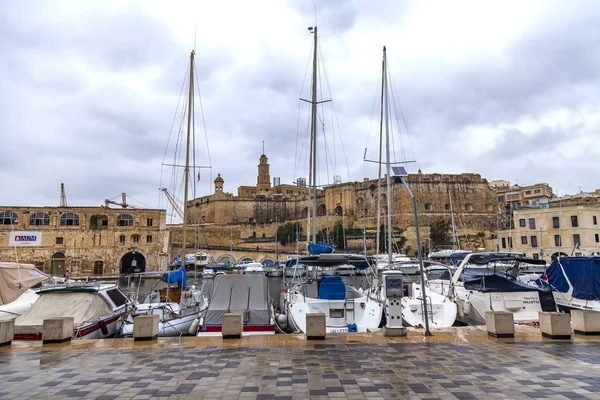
column 557, row 254
column 321, row 210
column 98, row 267
column 338, row 211
column 131, row 262
column 57, row 264
column 225, row 260
column 246, row 260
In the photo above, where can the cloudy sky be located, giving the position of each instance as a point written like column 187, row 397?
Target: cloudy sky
column 89, row 91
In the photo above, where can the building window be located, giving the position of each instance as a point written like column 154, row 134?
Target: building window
column 531, row 223
column 69, row 219
column 43, row 219
column 528, row 192
column 98, row 267
column 59, row 240
column 124, row 220
column 98, row 222
column 149, row 222
column 501, row 199
column 523, row 239
column 595, row 220
column 447, row 207
column 149, row 239
column 555, row 222
column 122, row 240
column 597, row 238
column 522, row 222
column 503, row 243
column 576, row 240
column 428, row 207
column 8, row 218
column 534, row 241
column 557, row 241
column 574, row 222
column 537, row 191
column 135, row 239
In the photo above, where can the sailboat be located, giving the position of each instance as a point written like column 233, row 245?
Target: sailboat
column 345, row 308
column 178, row 305
column 441, row 311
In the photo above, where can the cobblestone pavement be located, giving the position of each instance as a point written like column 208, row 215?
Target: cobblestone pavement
column 316, row 371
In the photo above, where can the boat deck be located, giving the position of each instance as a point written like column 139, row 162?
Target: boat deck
column 454, row 363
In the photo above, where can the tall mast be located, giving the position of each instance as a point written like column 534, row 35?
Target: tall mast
column 377, row 239
column 187, row 158
column 313, row 139
column 387, row 159
column 454, row 235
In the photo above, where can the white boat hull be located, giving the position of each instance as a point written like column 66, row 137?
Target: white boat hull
column 19, row 306
column 167, row 328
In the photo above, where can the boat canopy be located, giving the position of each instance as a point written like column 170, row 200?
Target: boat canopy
column 487, row 258
column 245, row 294
column 320, row 248
column 582, row 272
column 332, row 260
column 16, row 278
column 489, row 281
column 178, row 276
column 332, row 288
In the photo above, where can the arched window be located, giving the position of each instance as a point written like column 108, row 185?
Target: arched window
column 321, row 210
column 305, row 212
column 149, row 239
column 69, row 219
column 124, row 220
column 98, row 267
column 339, row 211
column 122, row 240
column 135, row 239
column 39, row 219
column 8, row 218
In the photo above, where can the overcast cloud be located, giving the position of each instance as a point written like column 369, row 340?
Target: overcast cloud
column 88, row 91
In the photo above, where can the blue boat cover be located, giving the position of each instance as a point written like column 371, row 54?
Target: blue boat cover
column 320, row 248
column 334, row 260
column 582, row 272
column 486, row 258
column 332, row 288
column 178, row 276
column 487, row 280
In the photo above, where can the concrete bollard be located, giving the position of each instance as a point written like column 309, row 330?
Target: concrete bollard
column 500, row 324
column 586, row 322
column 7, row 331
column 315, row 326
column 233, row 326
column 57, row 330
column 145, row 327
column 394, row 332
column 555, row 325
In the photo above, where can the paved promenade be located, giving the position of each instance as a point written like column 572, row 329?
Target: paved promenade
column 461, row 363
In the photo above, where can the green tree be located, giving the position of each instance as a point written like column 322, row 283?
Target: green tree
column 397, row 233
column 439, row 232
column 286, row 233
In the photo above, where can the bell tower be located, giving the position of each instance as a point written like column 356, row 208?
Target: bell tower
column 263, row 181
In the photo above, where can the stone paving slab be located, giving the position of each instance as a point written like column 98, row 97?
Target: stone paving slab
column 306, row 370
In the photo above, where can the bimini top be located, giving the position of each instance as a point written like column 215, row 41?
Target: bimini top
column 583, row 274
column 332, row 288
column 332, row 260
column 487, row 258
column 244, row 294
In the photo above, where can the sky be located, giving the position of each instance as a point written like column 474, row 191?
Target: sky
column 89, row 93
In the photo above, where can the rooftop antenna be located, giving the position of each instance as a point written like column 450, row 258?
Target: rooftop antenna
column 63, row 196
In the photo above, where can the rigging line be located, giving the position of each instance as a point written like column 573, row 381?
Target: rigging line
column 204, row 125
column 334, row 161
column 296, row 161
column 403, row 118
column 394, row 105
column 175, row 115
column 375, row 98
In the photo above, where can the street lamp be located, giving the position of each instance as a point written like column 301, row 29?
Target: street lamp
column 398, row 174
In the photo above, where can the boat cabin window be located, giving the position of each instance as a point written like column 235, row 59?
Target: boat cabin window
column 336, row 313
column 117, row 297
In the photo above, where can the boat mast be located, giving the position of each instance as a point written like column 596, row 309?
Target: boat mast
column 387, row 158
column 186, row 174
column 378, row 239
column 313, row 139
column 454, row 235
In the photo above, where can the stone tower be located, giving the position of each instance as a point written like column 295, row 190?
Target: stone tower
column 263, row 182
column 219, row 184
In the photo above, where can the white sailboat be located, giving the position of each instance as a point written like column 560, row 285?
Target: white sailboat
column 441, row 311
column 345, row 308
column 177, row 306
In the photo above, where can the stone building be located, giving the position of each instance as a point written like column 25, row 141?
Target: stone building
column 85, row 240
column 468, row 196
column 515, row 196
column 566, row 225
